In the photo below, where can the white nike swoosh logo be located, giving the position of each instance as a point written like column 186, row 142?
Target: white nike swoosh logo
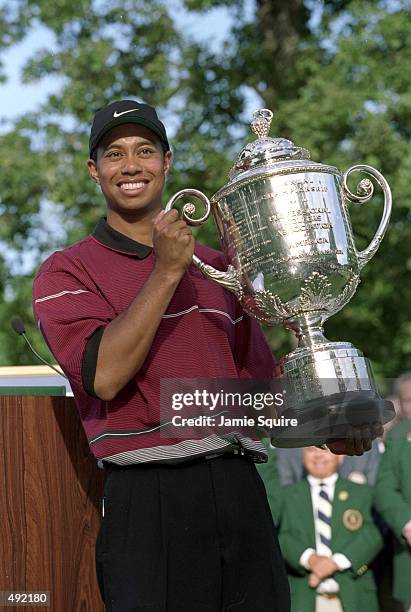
column 116, row 114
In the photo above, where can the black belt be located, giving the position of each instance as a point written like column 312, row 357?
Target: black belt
column 232, row 451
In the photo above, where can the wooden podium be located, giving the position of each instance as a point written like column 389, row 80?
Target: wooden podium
column 50, row 503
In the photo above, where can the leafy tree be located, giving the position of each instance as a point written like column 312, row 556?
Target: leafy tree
column 336, row 73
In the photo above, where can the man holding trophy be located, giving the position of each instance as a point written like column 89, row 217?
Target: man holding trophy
column 186, row 525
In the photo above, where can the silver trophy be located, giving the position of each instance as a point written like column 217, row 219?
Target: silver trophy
column 286, row 233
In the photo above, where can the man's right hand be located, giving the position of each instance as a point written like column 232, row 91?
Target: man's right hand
column 173, row 243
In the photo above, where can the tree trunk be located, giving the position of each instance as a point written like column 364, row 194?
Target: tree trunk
column 282, row 23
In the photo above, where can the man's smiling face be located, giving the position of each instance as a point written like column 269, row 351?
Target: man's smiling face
column 320, row 463
column 130, row 169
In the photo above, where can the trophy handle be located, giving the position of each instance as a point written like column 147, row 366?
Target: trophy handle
column 228, row 278
column 365, row 190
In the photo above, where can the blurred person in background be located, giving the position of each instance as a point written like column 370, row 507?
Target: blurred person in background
column 397, row 407
column 360, row 469
column 328, row 539
column 271, row 479
column 402, row 390
column 393, row 492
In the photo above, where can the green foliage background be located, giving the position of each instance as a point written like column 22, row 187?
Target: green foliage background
column 336, row 72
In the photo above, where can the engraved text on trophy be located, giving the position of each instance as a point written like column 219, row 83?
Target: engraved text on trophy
column 295, row 219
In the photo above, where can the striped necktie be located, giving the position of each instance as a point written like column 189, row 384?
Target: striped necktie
column 323, row 521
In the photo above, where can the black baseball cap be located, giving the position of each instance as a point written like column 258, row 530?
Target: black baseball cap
column 125, row 111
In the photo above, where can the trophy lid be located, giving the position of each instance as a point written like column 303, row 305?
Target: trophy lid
column 265, row 150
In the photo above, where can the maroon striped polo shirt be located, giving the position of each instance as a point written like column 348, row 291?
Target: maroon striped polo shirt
column 204, row 334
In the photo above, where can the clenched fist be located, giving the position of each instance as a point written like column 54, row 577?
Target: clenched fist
column 173, row 243
column 358, row 440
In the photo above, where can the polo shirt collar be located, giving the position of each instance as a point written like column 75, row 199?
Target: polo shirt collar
column 111, row 238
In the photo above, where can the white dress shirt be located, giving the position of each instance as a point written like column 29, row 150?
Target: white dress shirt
column 329, row 585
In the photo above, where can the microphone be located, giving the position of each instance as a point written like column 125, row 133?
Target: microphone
column 18, row 326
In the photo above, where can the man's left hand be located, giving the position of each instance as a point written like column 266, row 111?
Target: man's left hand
column 358, row 440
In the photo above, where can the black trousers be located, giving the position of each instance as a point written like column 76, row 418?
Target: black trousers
column 194, row 537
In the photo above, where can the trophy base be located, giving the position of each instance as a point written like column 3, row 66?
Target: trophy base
column 329, row 389
column 332, row 417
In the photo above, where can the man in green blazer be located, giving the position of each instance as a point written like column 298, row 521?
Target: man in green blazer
column 271, row 479
column 393, row 492
column 328, row 539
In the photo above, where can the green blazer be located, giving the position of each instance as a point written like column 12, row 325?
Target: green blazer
column 270, row 477
column 393, row 501
column 353, row 533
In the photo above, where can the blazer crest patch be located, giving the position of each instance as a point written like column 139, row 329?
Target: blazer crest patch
column 352, row 519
